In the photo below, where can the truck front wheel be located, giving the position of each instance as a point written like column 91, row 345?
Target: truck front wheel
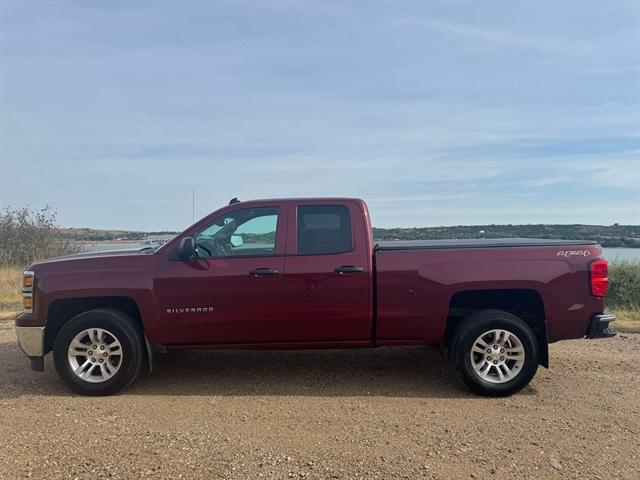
column 98, row 352
column 495, row 352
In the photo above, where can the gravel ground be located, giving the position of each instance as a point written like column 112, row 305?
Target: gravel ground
column 387, row 413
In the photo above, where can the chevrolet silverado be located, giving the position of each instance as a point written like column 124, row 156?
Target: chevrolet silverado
column 306, row 273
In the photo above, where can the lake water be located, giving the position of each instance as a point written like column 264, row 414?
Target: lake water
column 629, row 254
column 105, row 247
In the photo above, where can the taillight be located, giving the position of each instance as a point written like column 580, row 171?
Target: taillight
column 599, row 278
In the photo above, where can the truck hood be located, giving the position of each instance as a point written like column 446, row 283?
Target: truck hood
column 93, row 257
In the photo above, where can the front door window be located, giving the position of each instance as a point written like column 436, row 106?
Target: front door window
column 249, row 232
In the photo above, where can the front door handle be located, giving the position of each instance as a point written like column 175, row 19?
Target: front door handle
column 263, row 272
column 348, row 269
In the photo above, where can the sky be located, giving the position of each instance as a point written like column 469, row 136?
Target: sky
column 435, row 113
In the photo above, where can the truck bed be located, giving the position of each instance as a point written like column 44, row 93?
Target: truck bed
column 476, row 243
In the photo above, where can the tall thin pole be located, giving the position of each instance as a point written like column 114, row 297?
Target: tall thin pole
column 193, row 205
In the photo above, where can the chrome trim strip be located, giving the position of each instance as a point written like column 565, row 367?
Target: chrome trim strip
column 31, row 340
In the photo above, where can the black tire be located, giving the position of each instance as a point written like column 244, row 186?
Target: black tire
column 124, row 328
column 472, row 327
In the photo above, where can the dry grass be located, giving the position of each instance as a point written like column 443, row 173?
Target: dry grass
column 627, row 321
column 10, row 300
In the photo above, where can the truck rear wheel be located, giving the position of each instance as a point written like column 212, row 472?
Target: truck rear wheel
column 495, row 352
column 99, row 352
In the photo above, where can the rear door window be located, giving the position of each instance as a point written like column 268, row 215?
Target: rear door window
column 323, row 229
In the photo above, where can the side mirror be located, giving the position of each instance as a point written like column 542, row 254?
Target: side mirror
column 186, row 249
column 237, row 240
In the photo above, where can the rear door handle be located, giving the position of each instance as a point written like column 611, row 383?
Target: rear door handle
column 348, row 269
column 263, row 272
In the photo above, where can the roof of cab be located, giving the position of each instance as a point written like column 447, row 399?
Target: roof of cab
column 299, row 200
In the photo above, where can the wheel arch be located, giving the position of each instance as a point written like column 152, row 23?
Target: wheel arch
column 62, row 310
column 526, row 304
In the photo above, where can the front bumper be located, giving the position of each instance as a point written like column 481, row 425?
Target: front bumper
column 599, row 326
column 31, row 342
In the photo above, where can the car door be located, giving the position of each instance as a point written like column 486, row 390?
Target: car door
column 232, row 291
column 327, row 286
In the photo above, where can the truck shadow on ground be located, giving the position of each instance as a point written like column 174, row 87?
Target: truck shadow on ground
column 391, row 372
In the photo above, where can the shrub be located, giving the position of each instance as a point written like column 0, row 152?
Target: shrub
column 624, row 285
column 27, row 235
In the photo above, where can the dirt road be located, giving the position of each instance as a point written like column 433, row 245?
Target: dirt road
column 386, row 413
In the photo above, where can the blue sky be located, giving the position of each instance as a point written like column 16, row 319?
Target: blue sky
column 436, row 113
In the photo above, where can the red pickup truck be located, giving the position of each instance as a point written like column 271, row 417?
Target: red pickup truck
column 306, row 273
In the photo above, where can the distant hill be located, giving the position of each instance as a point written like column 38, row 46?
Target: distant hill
column 608, row 236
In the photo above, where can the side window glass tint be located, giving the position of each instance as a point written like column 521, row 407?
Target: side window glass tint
column 323, row 229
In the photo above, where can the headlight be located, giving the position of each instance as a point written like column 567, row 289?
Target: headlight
column 27, row 291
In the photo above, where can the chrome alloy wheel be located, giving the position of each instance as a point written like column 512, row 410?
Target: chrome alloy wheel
column 497, row 356
column 95, row 355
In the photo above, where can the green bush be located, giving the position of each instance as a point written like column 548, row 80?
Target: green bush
column 624, row 285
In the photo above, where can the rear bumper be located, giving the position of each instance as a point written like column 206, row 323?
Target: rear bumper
column 31, row 342
column 599, row 326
